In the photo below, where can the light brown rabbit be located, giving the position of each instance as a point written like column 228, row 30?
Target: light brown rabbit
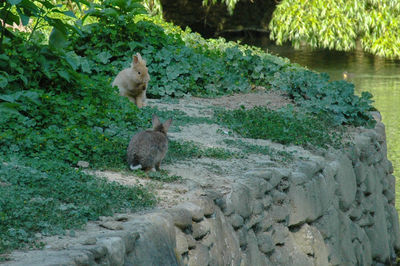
column 132, row 82
column 147, row 149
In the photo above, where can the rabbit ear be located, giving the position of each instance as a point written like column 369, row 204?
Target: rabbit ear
column 156, row 121
column 167, row 124
column 135, row 59
column 139, row 56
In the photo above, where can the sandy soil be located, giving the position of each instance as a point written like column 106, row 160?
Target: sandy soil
column 202, row 174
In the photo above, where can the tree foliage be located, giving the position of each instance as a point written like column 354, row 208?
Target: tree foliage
column 229, row 3
column 339, row 25
column 36, row 14
column 336, row 24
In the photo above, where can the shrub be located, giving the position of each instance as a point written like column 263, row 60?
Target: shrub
column 313, row 92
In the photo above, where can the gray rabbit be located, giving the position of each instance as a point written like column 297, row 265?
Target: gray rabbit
column 147, row 148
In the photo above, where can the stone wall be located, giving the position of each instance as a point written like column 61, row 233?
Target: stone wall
column 336, row 208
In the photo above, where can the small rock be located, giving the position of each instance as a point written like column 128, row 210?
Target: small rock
column 83, row 164
column 206, row 204
column 105, row 218
column 253, row 221
column 82, row 259
column 196, row 211
column 182, row 217
column 236, row 221
column 116, row 249
column 279, row 213
column 283, row 184
column 190, row 241
column 199, row 256
column 201, row 229
column 265, row 223
column 267, row 201
column 121, row 217
column 278, row 196
column 130, row 240
column 377, row 116
column 257, row 186
column 240, row 197
column 279, row 234
column 298, row 178
column 181, row 242
column 242, row 234
column 112, row 225
column 98, row 251
column 221, row 203
column 89, row 241
column 366, row 220
column 258, row 207
column 309, row 168
column 213, row 194
column 355, row 212
column 259, row 173
column 265, row 243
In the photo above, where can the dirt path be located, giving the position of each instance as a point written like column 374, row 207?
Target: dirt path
column 201, row 174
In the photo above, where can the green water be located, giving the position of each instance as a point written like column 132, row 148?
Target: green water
column 379, row 76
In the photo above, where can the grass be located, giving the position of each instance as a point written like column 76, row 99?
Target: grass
column 247, row 148
column 51, row 197
column 184, row 150
column 285, row 126
column 162, row 175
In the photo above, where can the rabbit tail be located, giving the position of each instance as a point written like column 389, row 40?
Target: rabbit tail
column 135, row 167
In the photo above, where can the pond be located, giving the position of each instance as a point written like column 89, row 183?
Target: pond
column 379, row 76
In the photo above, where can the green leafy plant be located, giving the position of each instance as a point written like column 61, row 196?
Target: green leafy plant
column 314, row 93
column 48, row 197
column 41, row 13
column 32, row 65
column 229, row 3
column 180, row 62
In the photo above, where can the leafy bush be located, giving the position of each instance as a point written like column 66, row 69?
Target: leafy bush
column 45, row 13
column 32, row 65
column 285, row 126
column 179, row 62
column 316, row 94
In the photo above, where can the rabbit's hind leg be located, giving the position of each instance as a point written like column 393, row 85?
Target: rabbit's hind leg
column 157, row 166
column 147, row 164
